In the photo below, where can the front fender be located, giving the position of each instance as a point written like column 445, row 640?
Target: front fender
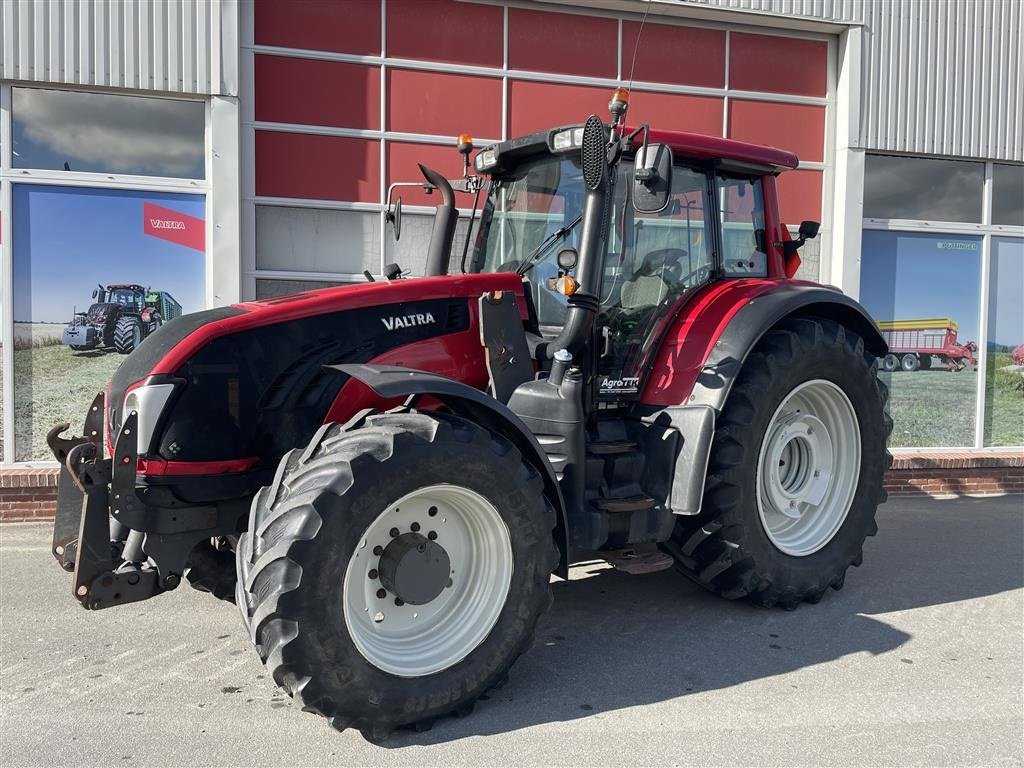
column 392, row 381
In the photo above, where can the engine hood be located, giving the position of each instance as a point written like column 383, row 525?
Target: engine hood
column 251, row 378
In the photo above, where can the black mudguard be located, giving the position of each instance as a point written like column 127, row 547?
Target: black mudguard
column 391, row 381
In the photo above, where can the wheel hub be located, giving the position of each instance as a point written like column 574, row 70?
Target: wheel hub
column 808, row 467
column 414, row 568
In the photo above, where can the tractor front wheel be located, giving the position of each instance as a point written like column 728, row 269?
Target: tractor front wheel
column 795, row 472
column 394, row 572
column 127, row 334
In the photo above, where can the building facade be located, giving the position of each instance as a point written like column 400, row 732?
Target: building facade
column 220, row 151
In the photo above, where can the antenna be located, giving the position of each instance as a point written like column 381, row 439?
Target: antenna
column 636, row 44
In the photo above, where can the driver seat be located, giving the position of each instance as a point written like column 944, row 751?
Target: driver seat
column 658, row 273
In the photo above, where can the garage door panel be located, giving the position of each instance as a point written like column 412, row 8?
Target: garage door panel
column 776, row 64
column 562, row 43
column 674, row 54
column 317, row 167
column 799, row 128
column 315, row 92
column 442, row 104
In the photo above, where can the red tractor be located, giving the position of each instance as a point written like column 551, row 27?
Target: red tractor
column 622, row 367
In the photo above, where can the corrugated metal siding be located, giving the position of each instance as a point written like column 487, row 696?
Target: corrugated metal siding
column 942, row 77
column 161, row 45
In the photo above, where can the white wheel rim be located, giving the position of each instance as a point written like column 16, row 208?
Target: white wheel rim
column 417, row 640
column 808, row 467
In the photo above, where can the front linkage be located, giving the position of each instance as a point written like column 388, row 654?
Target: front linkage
column 120, row 548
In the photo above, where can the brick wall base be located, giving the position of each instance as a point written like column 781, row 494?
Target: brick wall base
column 31, row 494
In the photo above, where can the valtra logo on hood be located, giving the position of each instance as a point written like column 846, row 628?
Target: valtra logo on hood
column 171, row 225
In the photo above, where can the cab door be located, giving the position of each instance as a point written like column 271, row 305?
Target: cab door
column 653, row 264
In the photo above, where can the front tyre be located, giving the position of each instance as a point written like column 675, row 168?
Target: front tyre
column 394, row 572
column 796, row 469
column 127, row 334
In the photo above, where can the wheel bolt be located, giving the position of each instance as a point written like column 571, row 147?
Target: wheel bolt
column 399, row 601
column 394, row 533
column 432, row 535
column 449, row 583
column 373, row 573
column 378, row 550
column 415, row 526
column 432, row 511
column 382, row 593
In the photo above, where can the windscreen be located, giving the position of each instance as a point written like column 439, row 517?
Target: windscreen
column 520, row 213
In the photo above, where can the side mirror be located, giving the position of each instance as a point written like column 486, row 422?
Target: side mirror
column 652, row 178
column 394, row 216
column 809, row 230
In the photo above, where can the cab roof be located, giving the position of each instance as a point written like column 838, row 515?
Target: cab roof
column 727, row 153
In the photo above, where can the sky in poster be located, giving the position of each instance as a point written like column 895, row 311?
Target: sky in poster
column 912, row 276
column 67, row 240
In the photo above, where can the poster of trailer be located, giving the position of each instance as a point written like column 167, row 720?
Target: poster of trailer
column 96, row 271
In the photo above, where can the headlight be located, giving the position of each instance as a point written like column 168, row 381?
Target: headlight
column 148, row 402
column 486, row 159
column 567, row 139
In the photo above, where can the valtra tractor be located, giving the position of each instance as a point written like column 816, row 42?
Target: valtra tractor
column 621, row 366
column 120, row 317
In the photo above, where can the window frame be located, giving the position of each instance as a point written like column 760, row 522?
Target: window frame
column 11, row 176
column 986, row 230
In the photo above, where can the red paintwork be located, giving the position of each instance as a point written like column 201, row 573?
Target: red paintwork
column 324, row 300
column 173, row 468
column 693, row 334
column 703, row 147
column 776, row 231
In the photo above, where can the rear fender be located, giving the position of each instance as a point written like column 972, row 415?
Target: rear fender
column 391, row 382
column 696, row 370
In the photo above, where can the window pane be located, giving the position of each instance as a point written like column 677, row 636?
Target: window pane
column 273, row 289
column 1004, row 379
column 95, row 272
column 742, row 209
column 317, row 240
column 108, row 133
column 922, row 188
column 1008, row 194
column 924, row 291
column 410, row 252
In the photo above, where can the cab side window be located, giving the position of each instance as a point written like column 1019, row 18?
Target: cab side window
column 741, row 210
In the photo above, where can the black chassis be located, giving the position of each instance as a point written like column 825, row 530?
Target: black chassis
column 124, row 541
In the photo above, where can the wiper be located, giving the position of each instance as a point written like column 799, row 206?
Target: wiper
column 545, row 245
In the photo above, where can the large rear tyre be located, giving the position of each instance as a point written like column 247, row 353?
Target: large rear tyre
column 127, row 334
column 393, row 572
column 795, row 472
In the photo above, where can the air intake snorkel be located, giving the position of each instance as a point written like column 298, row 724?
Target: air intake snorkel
column 445, row 218
column 584, row 302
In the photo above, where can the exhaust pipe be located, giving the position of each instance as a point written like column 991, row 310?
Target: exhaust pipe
column 445, row 218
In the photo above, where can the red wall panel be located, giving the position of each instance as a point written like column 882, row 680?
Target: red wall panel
column 536, row 106
column 799, row 128
column 352, row 26
column 313, row 92
column 564, row 43
column 675, row 112
column 317, row 167
column 402, row 158
column 435, row 103
column 799, row 196
column 674, row 54
column 777, row 64
column 445, row 30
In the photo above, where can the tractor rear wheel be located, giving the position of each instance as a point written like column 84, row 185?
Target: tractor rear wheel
column 393, row 572
column 795, row 472
column 127, row 334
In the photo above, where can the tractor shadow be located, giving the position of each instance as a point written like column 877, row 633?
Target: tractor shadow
column 613, row 641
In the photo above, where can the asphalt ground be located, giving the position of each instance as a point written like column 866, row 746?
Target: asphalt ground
column 918, row 661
